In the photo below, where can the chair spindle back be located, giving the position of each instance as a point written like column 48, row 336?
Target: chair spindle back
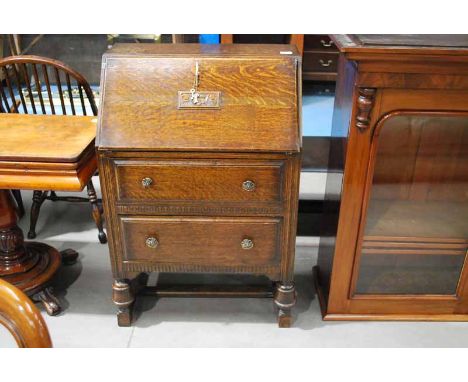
column 31, row 79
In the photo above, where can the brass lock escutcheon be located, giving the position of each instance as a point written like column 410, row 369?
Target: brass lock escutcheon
column 197, row 99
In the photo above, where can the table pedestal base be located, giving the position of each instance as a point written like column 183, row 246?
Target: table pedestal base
column 29, row 266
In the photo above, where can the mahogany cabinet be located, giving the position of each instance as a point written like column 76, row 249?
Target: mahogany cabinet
column 199, row 157
column 395, row 233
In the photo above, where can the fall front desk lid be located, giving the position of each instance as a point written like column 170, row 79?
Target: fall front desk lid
column 191, row 97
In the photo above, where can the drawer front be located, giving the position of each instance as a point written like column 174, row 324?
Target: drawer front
column 320, row 62
column 319, row 42
column 216, row 180
column 216, row 242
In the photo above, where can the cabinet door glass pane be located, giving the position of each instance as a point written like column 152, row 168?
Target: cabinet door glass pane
column 416, row 231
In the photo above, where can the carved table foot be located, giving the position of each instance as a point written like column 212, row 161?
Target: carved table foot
column 124, row 299
column 285, row 299
column 49, row 301
column 38, row 271
column 69, row 256
column 29, row 266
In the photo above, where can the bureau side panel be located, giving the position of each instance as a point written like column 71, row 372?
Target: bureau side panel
column 108, row 191
column 290, row 217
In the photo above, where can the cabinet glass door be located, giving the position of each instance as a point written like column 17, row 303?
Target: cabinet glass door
column 415, row 234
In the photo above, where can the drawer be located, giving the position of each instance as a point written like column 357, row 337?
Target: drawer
column 319, row 42
column 320, row 62
column 198, row 180
column 189, row 241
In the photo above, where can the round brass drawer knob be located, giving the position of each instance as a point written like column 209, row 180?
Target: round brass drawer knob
column 247, row 244
column 248, row 185
column 152, row 242
column 146, row 182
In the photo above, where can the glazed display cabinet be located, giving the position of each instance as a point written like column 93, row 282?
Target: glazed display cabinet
column 395, row 235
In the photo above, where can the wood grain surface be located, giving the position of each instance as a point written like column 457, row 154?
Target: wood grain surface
column 45, row 138
column 215, row 180
column 186, row 240
column 22, row 318
column 47, row 152
column 258, row 106
column 193, row 202
column 200, row 50
column 412, row 270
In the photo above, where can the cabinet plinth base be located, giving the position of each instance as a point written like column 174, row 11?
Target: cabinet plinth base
column 125, row 292
column 326, row 316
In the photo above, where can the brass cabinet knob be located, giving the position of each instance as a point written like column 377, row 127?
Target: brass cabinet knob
column 247, row 244
column 248, row 185
column 152, row 242
column 146, row 182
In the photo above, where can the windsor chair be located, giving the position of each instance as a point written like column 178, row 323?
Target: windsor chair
column 30, row 83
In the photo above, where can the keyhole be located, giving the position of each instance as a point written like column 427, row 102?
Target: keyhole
column 194, row 97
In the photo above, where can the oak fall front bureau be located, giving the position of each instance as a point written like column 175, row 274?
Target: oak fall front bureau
column 199, row 158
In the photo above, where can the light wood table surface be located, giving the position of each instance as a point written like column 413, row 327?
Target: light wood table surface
column 46, row 152
column 40, row 152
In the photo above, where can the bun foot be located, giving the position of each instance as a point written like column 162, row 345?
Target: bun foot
column 284, row 319
column 285, row 299
column 69, row 256
column 124, row 317
column 49, row 301
column 124, row 298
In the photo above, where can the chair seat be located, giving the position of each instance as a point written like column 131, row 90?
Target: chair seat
column 47, row 152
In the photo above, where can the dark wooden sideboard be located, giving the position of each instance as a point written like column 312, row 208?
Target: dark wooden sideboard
column 319, row 53
column 395, row 234
column 320, row 58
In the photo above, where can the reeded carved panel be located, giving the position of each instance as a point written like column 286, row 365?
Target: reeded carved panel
column 11, row 239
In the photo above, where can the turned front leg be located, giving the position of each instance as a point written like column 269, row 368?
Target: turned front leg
column 285, row 299
column 124, row 298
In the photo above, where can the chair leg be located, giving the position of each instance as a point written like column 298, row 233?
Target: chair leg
column 19, row 202
column 53, row 196
column 97, row 214
column 38, row 199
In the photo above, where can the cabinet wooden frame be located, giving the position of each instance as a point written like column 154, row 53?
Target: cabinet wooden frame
column 168, row 174
column 381, row 86
column 194, row 208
